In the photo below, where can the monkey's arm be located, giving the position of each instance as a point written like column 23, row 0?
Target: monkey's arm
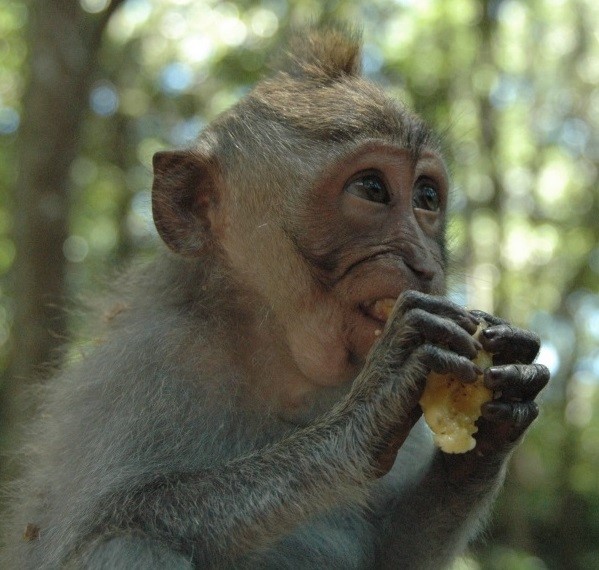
column 434, row 519
column 220, row 514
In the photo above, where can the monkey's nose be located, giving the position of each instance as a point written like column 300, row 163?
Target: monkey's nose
column 418, row 261
column 422, row 268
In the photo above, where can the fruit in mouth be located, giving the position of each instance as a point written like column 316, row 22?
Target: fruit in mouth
column 450, row 406
column 381, row 309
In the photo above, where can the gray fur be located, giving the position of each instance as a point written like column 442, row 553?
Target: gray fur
column 132, row 413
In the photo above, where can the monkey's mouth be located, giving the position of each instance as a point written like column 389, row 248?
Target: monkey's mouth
column 379, row 310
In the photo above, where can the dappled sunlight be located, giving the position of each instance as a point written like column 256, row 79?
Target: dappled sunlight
column 549, row 356
column 514, row 92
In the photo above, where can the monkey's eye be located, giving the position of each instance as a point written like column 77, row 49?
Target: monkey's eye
column 369, row 187
column 426, row 196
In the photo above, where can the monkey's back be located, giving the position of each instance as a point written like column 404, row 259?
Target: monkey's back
column 141, row 400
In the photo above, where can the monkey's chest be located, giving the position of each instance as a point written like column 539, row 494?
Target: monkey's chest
column 340, row 539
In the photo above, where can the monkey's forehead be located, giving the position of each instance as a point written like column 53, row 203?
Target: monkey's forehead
column 343, row 110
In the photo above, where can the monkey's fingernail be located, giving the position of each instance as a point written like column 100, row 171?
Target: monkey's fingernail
column 470, row 322
column 471, row 373
column 496, row 410
column 489, row 333
column 494, row 377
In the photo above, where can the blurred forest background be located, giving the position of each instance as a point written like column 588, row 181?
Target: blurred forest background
column 90, row 89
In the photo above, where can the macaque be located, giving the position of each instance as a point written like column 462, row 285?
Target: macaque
column 247, row 406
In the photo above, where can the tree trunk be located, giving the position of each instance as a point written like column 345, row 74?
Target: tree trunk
column 63, row 43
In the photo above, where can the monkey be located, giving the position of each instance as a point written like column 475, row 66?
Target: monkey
column 246, row 406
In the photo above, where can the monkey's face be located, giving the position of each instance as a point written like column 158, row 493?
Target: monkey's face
column 369, row 225
column 373, row 226
column 321, row 231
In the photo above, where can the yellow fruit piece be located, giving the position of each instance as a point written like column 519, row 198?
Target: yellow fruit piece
column 383, row 308
column 451, row 407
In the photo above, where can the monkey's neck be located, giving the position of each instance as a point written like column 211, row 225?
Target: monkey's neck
column 234, row 322
column 274, row 380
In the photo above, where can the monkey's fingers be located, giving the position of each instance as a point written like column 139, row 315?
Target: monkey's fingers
column 419, row 327
column 517, row 382
column 490, row 319
column 437, row 305
column 410, row 381
column 503, row 423
column 508, row 344
column 441, row 361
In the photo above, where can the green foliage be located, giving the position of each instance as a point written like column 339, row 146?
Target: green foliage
column 511, row 84
column 13, row 50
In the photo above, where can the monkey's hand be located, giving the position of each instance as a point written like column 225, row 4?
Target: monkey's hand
column 517, row 380
column 452, row 497
column 423, row 334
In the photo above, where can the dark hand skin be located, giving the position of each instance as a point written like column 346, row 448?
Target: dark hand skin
column 437, row 333
column 513, row 373
column 430, row 333
column 424, row 333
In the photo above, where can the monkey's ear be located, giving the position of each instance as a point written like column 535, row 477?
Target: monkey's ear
column 185, row 195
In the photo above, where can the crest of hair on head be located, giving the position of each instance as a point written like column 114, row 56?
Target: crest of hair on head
column 324, row 53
